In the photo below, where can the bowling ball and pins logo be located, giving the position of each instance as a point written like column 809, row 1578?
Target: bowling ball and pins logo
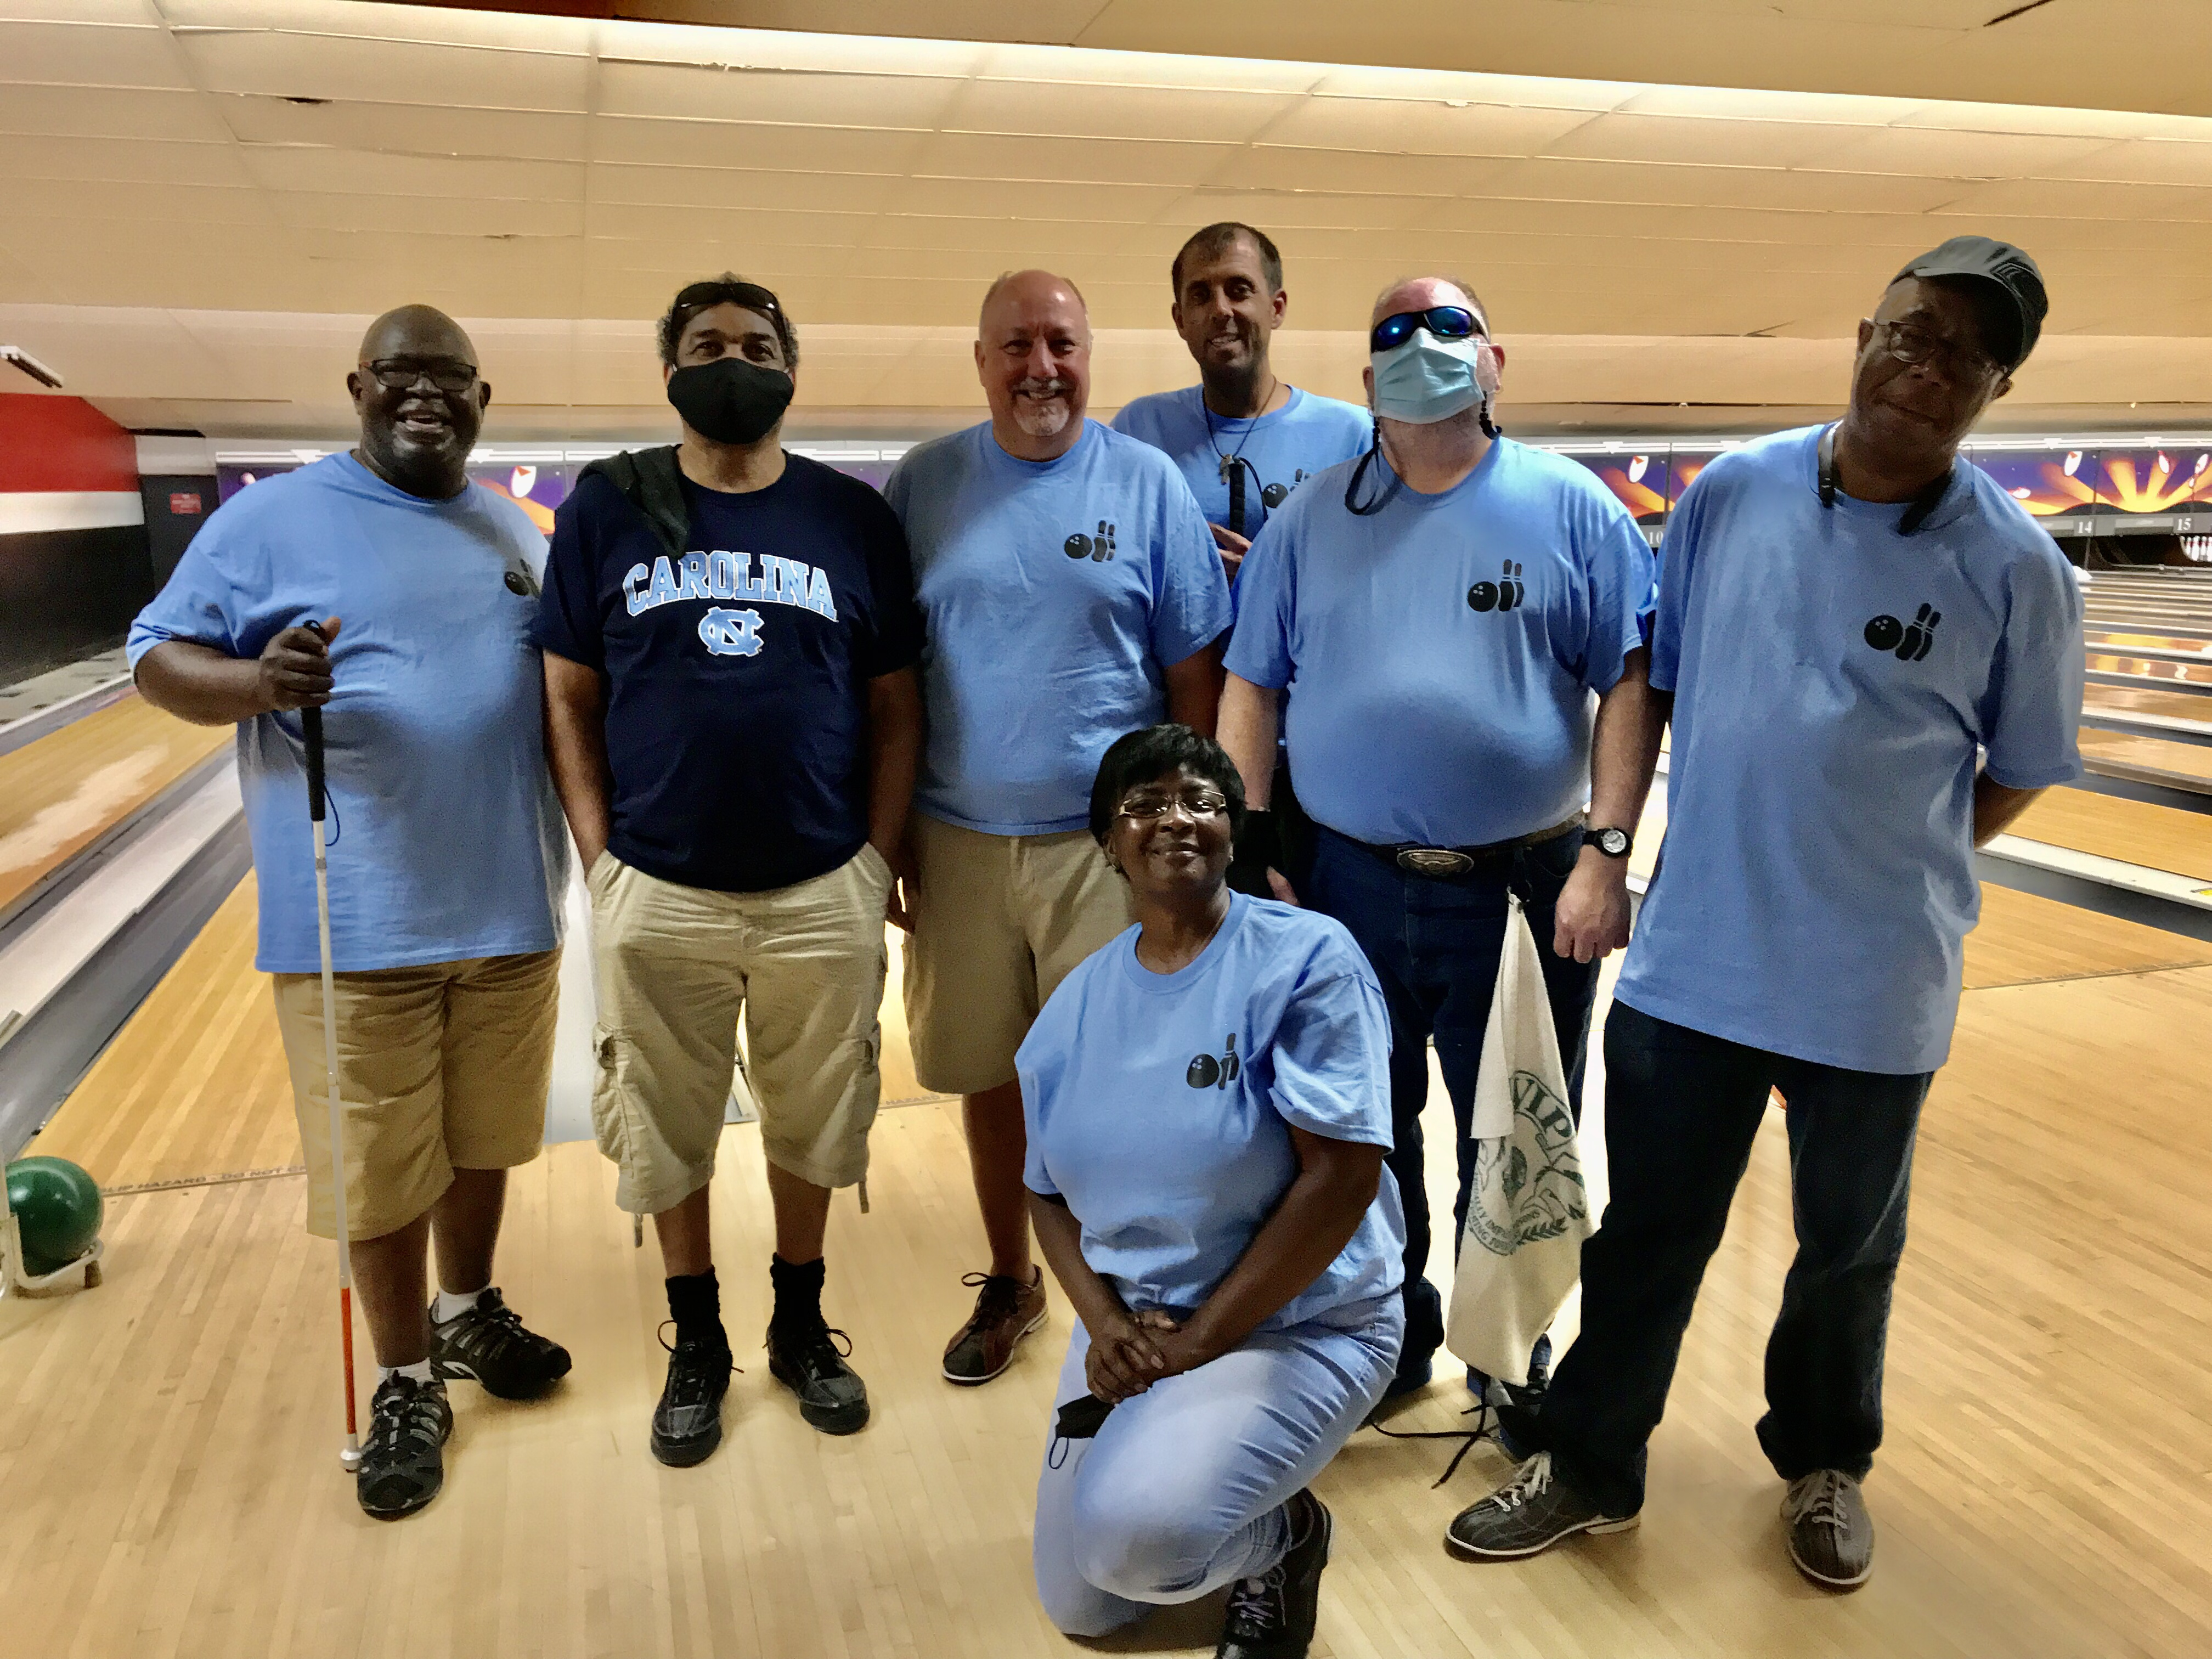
column 1276, row 494
column 1097, row 549
column 1906, row 641
column 1506, row 593
column 1215, row 1072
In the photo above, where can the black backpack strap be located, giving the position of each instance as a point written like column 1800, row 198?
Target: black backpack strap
column 649, row 481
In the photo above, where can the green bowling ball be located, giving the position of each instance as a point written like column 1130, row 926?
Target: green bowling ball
column 57, row 1211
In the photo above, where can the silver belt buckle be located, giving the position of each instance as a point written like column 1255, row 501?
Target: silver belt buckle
column 1434, row 861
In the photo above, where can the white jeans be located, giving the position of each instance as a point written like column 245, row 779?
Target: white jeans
column 1183, row 1489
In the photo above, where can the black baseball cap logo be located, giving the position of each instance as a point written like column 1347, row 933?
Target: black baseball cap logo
column 1206, row 1072
column 1504, row 594
column 1097, row 549
column 1907, row 642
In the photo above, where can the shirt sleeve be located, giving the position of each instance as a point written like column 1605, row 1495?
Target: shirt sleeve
column 1332, row 1056
column 1267, row 602
column 568, row 621
column 1035, row 1075
column 1678, row 554
column 1190, row 607
column 895, row 641
column 1621, row 578
column 2031, row 715
column 199, row 602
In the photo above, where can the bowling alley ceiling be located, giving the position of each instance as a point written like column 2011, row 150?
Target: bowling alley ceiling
column 206, row 199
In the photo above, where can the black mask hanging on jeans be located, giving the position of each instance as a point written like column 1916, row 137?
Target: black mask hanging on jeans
column 730, row 400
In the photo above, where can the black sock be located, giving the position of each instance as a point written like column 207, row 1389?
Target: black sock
column 797, row 1292
column 695, row 1302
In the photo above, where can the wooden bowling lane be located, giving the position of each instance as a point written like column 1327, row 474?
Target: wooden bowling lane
column 2173, row 705
column 2133, row 831
column 2152, row 759
column 64, row 791
column 194, row 1087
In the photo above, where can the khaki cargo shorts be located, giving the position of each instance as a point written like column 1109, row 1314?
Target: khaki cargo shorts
column 678, row 967
column 441, row 1067
column 998, row 923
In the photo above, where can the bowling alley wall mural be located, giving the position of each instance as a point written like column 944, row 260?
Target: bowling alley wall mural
column 2117, row 482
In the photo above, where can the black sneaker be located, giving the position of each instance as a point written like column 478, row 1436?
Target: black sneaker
column 1272, row 1617
column 1527, row 1514
column 404, row 1463
column 487, row 1344
column 808, row 1361
column 687, row 1424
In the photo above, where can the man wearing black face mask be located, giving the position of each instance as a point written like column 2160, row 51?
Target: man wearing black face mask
column 734, row 724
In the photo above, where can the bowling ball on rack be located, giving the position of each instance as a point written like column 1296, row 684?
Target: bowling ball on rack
column 57, row 1211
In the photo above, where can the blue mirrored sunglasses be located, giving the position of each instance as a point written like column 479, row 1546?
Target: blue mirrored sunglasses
column 1445, row 322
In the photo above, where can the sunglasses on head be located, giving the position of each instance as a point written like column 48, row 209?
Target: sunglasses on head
column 1445, row 322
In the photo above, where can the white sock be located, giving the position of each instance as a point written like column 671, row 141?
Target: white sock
column 449, row 1306
column 420, row 1371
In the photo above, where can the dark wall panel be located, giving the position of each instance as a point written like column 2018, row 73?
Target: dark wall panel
column 176, row 505
column 67, row 594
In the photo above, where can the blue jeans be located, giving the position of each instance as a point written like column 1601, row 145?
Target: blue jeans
column 1681, row 1109
column 1434, row 945
column 1183, row 1492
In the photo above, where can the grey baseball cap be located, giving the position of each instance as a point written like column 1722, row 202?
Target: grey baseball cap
column 2004, row 266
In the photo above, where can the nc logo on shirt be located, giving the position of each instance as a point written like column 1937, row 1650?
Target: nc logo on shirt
column 1504, row 594
column 1097, row 549
column 1208, row 1073
column 1276, row 494
column 1907, row 643
column 731, row 633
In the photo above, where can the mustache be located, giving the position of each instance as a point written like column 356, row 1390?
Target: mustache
column 1054, row 386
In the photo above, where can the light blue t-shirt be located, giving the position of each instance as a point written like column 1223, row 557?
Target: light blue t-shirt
column 1305, row 437
column 1441, row 653
column 449, row 842
column 1053, row 595
column 1832, row 680
column 1160, row 1105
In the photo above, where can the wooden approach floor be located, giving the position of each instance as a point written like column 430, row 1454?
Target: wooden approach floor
column 167, row 1442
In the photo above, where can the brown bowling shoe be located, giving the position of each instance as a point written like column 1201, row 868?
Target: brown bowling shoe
column 1007, row 1310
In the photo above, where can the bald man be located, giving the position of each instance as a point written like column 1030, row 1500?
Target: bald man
column 1071, row 593
column 1459, row 620
column 449, row 860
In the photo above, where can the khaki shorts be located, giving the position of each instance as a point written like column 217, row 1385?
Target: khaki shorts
column 677, row 968
column 441, row 1067
column 998, row 923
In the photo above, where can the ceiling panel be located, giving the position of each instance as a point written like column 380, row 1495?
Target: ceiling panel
column 91, row 55
column 60, row 202
column 994, row 157
column 1393, row 126
column 126, row 162
column 686, row 91
column 1079, row 111
column 2146, row 161
column 1931, row 153
column 329, row 65
column 1272, row 167
column 381, row 172
column 80, row 112
column 417, row 127
column 425, row 214
column 757, row 146
column 1701, row 140
column 730, row 187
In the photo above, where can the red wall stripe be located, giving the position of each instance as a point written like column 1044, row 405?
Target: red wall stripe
column 62, row 443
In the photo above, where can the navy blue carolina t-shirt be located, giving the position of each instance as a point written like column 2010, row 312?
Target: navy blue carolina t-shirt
column 737, row 671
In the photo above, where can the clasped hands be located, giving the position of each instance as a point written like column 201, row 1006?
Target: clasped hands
column 1129, row 1352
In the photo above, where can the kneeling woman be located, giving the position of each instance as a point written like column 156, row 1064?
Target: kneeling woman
column 1208, row 1106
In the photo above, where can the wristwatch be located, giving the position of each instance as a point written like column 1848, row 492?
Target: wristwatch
column 1614, row 843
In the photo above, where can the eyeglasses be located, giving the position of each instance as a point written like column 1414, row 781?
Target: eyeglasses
column 1909, row 343
column 405, row 374
column 1201, row 803
column 1445, row 322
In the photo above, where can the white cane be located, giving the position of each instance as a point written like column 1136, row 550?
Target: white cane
column 311, row 724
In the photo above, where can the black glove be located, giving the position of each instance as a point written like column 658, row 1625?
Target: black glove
column 1258, row 844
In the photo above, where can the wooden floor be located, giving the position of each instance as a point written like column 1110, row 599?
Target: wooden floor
column 64, row 791
column 167, row 1442
column 2187, row 764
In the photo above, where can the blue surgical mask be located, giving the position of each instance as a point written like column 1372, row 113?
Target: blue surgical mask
column 1426, row 380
